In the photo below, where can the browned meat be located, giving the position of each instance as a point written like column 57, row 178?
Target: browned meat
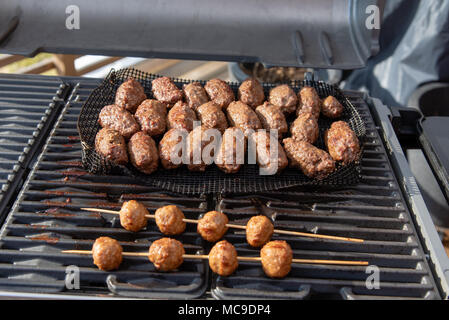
column 166, row 91
column 199, row 146
column 118, row 119
column 223, row 259
column 107, row 253
column 342, row 143
column 143, row 153
column 271, row 163
column 132, row 216
column 277, row 259
column 305, row 128
column 331, row 108
column 212, row 117
column 171, row 147
column 166, row 254
column 129, row 95
column 111, row 145
column 181, row 116
column 285, row 98
column 309, row 102
column 259, row 230
column 243, row 117
column 251, row 93
column 195, row 95
column 219, row 92
column 228, row 159
column 151, row 115
column 314, row 163
column 272, row 118
column 169, row 220
column 212, row 226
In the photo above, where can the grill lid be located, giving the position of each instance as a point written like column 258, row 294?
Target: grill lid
column 319, row 34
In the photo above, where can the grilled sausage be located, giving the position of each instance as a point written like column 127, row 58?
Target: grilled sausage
column 111, row 145
column 166, row 254
column 219, row 92
column 171, row 148
column 133, row 216
column 195, row 95
column 169, row 220
column 130, row 95
column 231, row 155
column 285, row 98
column 342, row 143
column 251, row 93
column 305, row 128
column 197, row 141
column 212, row 226
column 271, row 163
column 277, row 257
column 212, row 117
column 243, row 117
column 223, row 259
column 314, row 163
column 118, row 119
column 107, row 253
column 272, row 118
column 166, row 91
column 143, row 153
column 259, row 231
column 332, row 108
column 151, row 116
column 309, row 102
column 181, row 116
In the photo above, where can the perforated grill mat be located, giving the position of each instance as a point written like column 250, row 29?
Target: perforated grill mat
column 247, row 180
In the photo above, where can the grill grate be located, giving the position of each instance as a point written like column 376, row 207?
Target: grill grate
column 212, row 180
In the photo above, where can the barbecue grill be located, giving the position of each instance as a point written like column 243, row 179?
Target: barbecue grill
column 45, row 191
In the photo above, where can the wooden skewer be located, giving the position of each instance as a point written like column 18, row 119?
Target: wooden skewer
column 248, row 259
column 236, row 226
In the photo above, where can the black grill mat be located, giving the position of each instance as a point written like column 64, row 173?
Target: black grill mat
column 213, row 180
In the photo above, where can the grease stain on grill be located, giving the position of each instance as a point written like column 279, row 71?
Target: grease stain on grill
column 46, row 238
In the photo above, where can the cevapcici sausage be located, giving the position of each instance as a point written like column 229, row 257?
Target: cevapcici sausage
column 172, row 146
column 166, row 91
column 331, row 108
column 197, row 141
column 212, row 117
column 272, row 162
column 231, row 155
column 219, row 92
column 285, row 98
column 342, row 143
column 116, row 118
column 251, row 93
column 151, row 115
column 272, row 118
column 129, row 95
column 195, row 95
column 111, row 145
column 243, row 117
column 309, row 101
column 143, row 152
column 181, row 116
column 305, row 128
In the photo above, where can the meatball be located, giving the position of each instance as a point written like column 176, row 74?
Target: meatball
column 143, row 153
column 314, row 163
column 285, row 98
column 272, row 118
column 212, row 226
column 259, row 230
column 331, row 108
column 171, row 148
column 305, row 128
column 212, row 117
column 223, row 258
column 118, row 119
column 342, row 143
column 166, row 91
column 231, row 155
column 195, row 95
column 243, row 117
column 170, row 220
column 130, row 95
column 219, row 92
column 166, row 254
column 111, row 145
column 276, row 259
column 198, row 146
column 133, row 216
column 181, row 116
column 309, row 101
column 251, row 93
column 272, row 162
column 151, row 115
column 107, row 253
